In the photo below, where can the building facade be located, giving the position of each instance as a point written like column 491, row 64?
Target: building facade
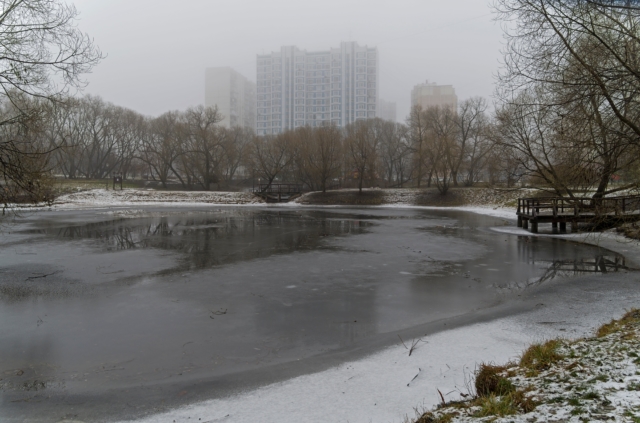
column 233, row 94
column 431, row 94
column 297, row 88
column 387, row 110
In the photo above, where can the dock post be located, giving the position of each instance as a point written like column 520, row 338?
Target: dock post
column 563, row 227
column 519, row 221
column 534, row 226
column 554, row 227
column 525, row 223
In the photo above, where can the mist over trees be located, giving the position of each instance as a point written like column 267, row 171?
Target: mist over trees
column 566, row 118
column 93, row 139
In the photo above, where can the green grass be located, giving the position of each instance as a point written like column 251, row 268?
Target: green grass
column 506, row 405
column 539, row 357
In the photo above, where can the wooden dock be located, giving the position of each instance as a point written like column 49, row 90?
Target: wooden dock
column 278, row 193
column 562, row 210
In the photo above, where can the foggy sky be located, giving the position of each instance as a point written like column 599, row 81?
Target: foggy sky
column 157, row 50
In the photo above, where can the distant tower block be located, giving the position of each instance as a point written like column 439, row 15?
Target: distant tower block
column 431, row 94
column 298, row 87
column 234, row 95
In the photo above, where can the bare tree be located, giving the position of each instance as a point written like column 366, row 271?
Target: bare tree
column 320, row 154
column 574, row 64
column 161, row 146
column 418, row 136
column 395, row 152
column 236, row 144
column 362, row 146
column 204, row 145
column 271, row 156
column 473, row 145
column 38, row 39
column 441, row 140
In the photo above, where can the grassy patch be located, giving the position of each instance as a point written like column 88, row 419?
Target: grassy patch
column 66, row 186
column 489, row 381
column 506, row 405
column 433, row 418
column 539, row 357
column 617, row 325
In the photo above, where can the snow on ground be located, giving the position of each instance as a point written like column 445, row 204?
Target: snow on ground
column 388, row 385
column 129, row 197
column 595, row 379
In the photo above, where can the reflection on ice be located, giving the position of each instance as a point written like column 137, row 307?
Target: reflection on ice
column 216, row 238
column 565, row 268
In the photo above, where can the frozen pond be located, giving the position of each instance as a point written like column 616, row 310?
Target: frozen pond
column 122, row 312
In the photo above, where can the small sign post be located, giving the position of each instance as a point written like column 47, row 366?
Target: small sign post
column 117, row 179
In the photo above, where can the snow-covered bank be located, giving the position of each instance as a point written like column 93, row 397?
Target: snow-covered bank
column 129, row 197
column 388, row 385
column 596, row 379
column 394, row 198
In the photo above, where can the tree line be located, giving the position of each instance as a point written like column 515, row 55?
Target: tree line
column 566, row 117
column 89, row 138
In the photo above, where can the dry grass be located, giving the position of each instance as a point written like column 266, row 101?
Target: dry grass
column 617, row 325
column 539, row 357
column 490, row 381
column 514, row 402
column 498, row 397
column 433, row 418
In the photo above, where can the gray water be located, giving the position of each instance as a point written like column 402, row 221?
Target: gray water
column 157, row 301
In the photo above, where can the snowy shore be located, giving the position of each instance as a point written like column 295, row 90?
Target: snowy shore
column 484, row 201
column 388, row 385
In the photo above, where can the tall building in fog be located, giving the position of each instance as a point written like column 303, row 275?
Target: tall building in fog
column 387, row 110
column 234, row 95
column 296, row 87
column 432, row 94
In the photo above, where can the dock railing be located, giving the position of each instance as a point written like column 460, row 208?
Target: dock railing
column 564, row 209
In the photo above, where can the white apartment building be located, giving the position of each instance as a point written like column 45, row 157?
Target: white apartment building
column 234, row 95
column 387, row 110
column 297, row 88
column 431, row 94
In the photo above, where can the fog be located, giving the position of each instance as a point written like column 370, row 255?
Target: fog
column 157, row 50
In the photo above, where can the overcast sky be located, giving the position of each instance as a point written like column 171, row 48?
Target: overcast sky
column 157, row 50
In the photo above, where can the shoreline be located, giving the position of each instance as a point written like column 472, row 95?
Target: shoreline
column 387, row 385
column 413, row 379
column 392, row 369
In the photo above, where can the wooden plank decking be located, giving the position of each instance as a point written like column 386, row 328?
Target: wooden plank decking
column 562, row 210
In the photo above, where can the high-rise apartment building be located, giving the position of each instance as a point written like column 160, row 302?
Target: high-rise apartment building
column 296, row 87
column 431, row 94
column 234, row 95
column 387, row 110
